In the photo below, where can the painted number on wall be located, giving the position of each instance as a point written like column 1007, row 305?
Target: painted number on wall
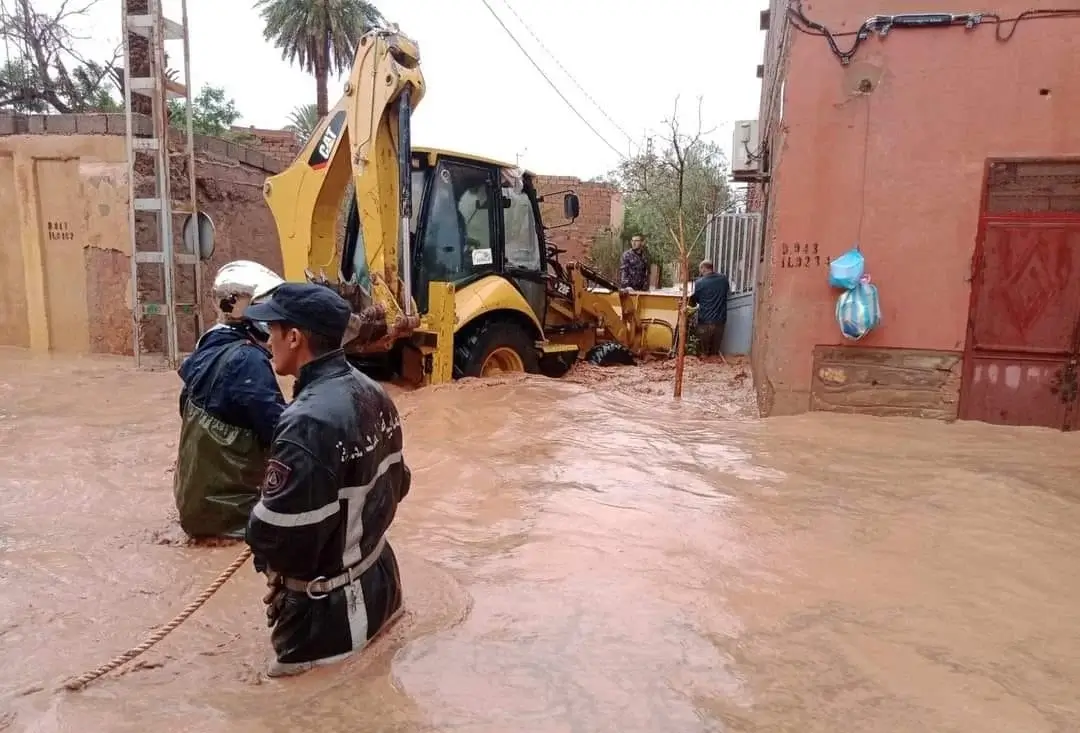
column 59, row 231
column 802, row 255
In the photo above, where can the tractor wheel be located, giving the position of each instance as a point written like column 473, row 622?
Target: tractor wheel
column 557, row 365
column 610, row 353
column 494, row 348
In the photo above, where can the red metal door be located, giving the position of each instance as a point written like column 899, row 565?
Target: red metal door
column 1021, row 354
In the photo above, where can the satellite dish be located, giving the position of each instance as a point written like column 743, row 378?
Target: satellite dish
column 206, row 235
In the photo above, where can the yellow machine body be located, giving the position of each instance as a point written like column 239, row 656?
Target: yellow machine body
column 442, row 256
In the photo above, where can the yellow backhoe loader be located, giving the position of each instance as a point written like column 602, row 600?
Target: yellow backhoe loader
column 444, row 257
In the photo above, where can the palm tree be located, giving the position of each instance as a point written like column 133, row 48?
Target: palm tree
column 319, row 35
column 302, row 122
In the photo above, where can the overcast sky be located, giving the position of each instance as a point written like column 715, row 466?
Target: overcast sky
column 633, row 58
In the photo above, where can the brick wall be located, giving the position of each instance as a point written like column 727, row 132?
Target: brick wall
column 279, row 144
column 601, row 212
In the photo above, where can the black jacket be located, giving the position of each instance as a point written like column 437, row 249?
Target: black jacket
column 333, row 483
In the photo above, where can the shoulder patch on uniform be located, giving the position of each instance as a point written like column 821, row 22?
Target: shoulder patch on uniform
column 277, row 474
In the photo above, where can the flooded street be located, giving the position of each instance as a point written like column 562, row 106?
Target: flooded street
column 576, row 558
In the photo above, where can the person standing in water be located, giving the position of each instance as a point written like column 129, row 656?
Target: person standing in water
column 229, row 405
column 333, row 483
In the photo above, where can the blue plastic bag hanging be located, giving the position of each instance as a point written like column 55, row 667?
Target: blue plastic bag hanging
column 847, row 269
column 858, row 311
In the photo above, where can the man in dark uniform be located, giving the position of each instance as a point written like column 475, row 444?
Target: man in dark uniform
column 710, row 296
column 634, row 266
column 333, row 482
column 229, row 405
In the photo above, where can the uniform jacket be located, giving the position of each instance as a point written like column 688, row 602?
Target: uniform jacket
column 335, row 477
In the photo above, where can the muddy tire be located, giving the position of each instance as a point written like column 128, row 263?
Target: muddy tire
column 557, row 365
column 493, row 347
column 610, row 353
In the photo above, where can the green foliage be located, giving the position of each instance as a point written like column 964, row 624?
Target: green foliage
column 605, row 252
column 302, row 122
column 690, row 176
column 212, row 113
column 320, row 36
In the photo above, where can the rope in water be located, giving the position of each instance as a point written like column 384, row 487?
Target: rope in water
column 80, row 682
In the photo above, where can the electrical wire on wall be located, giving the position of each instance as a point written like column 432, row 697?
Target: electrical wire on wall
column 1004, row 28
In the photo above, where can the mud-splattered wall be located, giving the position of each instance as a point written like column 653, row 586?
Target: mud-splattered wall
column 65, row 249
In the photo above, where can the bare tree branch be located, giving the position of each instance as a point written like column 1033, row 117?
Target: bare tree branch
column 49, row 70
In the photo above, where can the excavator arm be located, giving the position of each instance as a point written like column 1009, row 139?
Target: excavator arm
column 365, row 138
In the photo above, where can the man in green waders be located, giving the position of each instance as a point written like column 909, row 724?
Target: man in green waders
column 229, row 406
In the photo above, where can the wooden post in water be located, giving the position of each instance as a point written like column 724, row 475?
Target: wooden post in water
column 684, row 275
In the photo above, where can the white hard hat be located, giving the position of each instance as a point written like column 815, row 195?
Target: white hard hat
column 238, row 284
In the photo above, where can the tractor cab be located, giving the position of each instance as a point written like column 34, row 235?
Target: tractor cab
column 471, row 217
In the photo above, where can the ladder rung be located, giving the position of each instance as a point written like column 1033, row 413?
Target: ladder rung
column 147, row 204
column 141, row 25
column 146, row 85
column 144, row 143
column 180, row 258
column 158, row 309
column 177, row 209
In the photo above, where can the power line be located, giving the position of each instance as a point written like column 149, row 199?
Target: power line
column 566, row 71
column 549, row 81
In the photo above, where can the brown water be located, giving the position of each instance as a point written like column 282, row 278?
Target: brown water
column 575, row 559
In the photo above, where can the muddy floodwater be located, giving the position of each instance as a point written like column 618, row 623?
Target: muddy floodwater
column 580, row 555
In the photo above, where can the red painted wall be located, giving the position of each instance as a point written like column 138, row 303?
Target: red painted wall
column 907, row 158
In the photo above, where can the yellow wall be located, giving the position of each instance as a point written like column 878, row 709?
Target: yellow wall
column 59, row 196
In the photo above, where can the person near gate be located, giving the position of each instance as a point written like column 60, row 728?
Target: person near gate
column 229, row 405
column 634, row 266
column 333, row 483
column 710, row 296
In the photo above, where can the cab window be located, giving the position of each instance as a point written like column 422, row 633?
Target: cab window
column 522, row 242
column 459, row 234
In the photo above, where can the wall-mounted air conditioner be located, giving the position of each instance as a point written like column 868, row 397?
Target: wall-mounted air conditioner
column 746, row 149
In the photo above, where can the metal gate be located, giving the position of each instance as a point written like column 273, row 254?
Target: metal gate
column 733, row 245
column 1020, row 360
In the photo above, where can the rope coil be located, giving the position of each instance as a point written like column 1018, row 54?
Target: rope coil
column 82, row 681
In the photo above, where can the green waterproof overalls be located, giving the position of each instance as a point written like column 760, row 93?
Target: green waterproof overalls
column 219, row 467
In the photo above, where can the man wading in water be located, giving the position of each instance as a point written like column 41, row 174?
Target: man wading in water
column 229, row 405
column 335, row 477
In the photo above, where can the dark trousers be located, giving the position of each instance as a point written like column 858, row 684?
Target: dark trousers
column 710, row 336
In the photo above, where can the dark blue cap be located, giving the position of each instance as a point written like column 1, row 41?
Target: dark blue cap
column 314, row 308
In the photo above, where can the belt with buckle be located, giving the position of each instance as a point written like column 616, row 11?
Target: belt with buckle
column 322, row 586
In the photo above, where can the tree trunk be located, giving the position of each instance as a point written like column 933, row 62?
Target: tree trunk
column 322, row 101
column 322, row 74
